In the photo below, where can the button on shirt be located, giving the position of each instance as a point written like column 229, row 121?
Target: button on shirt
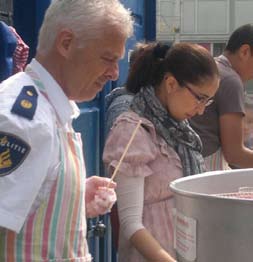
column 23, row 189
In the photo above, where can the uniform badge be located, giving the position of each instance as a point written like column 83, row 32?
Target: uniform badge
column 26, row 102
column 13, row 151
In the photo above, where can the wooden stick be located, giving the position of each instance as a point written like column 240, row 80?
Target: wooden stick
column 124, row 153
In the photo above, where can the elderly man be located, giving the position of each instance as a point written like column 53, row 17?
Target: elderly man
column 44, row 194
column 221, row 126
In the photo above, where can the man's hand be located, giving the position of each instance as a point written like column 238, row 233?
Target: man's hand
column 98, row 197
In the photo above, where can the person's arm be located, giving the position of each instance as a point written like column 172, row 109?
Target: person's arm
column 130, row 194
column 149, row 247
column 232, row 141
column 19, row 188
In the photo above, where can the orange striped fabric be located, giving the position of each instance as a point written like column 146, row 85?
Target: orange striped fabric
column 216, row 161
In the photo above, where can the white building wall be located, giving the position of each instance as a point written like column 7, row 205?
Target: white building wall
column 243, row 12
column 206, row 21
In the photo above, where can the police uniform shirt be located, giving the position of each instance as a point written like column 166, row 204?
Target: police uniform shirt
column 29, row 144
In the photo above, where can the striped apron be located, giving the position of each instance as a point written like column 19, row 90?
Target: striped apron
column 216, row 161
column 56, row 231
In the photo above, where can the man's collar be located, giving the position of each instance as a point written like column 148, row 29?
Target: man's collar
column 65, row 108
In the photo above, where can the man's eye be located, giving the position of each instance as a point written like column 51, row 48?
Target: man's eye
column 203, row 99
column 106, row 59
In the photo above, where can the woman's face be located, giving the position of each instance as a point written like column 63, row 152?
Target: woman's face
column 184, row 102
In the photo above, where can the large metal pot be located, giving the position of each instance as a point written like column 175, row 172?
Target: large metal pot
column 211, row 228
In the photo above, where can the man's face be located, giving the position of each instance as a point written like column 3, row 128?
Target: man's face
column 87, row 69
column 246, row 62
column 250, row 67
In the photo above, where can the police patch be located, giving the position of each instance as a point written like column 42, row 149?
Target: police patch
column 13, row 151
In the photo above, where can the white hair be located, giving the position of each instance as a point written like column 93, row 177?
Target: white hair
column 86, row 18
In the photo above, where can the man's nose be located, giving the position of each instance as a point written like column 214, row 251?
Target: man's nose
column 113, row 72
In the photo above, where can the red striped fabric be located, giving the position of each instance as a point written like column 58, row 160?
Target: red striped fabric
column 21, row 53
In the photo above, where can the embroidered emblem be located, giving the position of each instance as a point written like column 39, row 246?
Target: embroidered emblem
column 26, row 102
column 13, row 151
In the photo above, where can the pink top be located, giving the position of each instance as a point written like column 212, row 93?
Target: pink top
column 151, row 158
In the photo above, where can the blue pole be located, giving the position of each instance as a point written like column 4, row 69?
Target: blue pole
column 27, row 18
column 150, row 20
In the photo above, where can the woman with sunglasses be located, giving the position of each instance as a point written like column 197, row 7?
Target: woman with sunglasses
column 170, row 85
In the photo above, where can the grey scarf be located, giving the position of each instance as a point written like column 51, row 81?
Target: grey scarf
column 116, row 102
column 179, row 135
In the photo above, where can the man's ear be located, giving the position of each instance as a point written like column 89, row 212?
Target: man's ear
column 245, row 52
column 64, row 42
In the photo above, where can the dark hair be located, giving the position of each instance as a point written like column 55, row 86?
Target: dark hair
column 159, row 51
column 242, row 35
column 187, row 62
column 139, row 48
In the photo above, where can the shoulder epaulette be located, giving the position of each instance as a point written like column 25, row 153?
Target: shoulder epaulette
column 26, row 102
